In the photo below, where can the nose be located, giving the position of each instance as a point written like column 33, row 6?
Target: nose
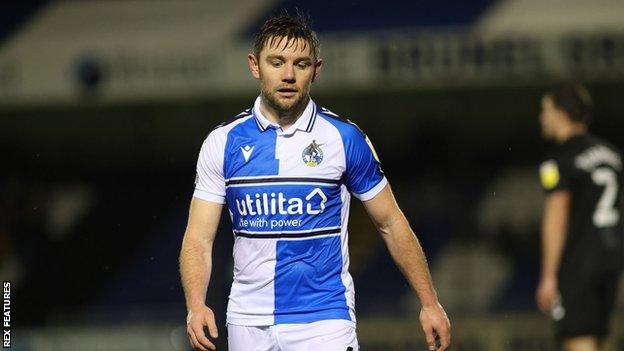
column 288, row 75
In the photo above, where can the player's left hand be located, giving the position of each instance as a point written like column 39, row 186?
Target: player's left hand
column 546, row 294
column 435, row 324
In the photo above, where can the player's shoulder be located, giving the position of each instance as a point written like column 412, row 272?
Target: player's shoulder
column 233, row 121
column 598, row 151
column 587, row 146
column 558, row 159
column 345, row 126
column 223, row 128
column 570, row 149
column 594, row 140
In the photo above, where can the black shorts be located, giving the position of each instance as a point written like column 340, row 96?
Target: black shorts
column 588, row 300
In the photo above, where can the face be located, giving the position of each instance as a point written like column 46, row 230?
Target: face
column 550, row 118
column 286, row 69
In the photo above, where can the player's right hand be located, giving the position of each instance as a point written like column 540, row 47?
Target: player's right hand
column 196, row 320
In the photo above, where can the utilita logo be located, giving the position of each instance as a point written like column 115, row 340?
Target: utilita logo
column 277, row 203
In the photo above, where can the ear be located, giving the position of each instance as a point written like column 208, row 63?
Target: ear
column 252, row 61
column 317, row 68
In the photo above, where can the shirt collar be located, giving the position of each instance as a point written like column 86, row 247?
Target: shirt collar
column 303, row 123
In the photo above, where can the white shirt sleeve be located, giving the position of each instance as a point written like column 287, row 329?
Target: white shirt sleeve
column 210, row 182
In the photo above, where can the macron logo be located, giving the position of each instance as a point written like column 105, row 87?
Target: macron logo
column 247, row 150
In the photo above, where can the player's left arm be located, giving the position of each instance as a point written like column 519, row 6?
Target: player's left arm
column 410, row 258
column 555, row 177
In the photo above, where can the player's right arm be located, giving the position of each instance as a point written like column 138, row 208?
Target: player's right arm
column 554, row 229
column 195, row 270
column 196, row 252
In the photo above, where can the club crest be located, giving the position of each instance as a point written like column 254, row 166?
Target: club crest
column 312, row 155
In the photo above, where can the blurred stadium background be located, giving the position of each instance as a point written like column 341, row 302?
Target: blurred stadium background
column 104, row 105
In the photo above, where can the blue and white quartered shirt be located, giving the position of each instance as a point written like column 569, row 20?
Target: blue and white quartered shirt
column 287, row 193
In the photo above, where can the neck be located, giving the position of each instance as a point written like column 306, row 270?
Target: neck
column 569, row 131
column 285, row 118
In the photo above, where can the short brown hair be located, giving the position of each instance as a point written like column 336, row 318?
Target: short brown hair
column 575, row 100
column 289, row 27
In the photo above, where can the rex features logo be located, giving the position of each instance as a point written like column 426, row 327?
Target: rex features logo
column 276, row 203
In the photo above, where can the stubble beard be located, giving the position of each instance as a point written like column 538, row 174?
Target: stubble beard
column 279, row 107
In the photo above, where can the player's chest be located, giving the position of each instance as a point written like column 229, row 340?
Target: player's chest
column 299, row 155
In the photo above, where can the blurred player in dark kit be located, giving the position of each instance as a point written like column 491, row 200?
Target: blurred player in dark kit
column 582, row 226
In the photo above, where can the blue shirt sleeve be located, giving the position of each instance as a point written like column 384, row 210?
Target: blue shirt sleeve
column 364, row 176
